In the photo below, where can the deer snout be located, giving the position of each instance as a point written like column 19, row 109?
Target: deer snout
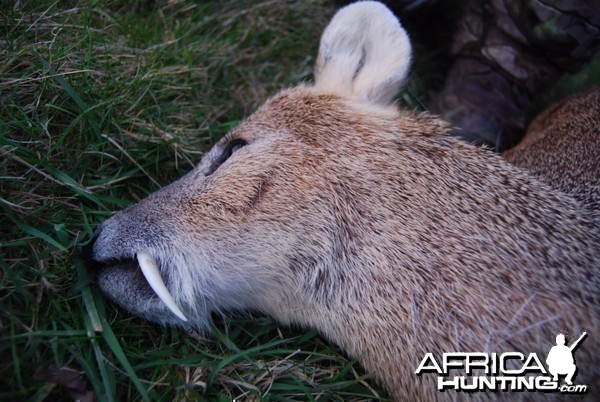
column 123, row 253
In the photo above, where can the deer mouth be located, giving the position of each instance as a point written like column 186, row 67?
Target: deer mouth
column 123, row 274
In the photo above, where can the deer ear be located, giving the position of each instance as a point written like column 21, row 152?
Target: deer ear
column 364, row 54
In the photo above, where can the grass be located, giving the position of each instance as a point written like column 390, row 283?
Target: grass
column 102, row 103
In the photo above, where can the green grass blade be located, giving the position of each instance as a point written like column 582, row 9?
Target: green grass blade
column 40, row 235
column 113, row 344
column 90, row 307
column 70, row 91
column 108, row 393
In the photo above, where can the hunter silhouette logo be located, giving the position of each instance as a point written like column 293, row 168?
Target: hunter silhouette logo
column 510, row 371
column 560, row 358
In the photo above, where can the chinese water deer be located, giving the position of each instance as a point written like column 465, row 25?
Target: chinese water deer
column 332, row 209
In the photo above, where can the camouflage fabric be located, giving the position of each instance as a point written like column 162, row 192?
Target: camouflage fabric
column 507, row 50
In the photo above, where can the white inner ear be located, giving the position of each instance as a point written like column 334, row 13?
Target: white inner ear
column 364, row 54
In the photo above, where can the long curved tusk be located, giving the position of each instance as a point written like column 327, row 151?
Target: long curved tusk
column 150, row 270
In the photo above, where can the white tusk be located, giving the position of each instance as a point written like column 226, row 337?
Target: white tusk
column 150, row 270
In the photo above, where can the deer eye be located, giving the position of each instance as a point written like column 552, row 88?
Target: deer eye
column 229, row 150
column 236, row 146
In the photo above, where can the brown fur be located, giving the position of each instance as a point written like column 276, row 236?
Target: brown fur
column 514, row 253
column 562, row 147
column 375, row 227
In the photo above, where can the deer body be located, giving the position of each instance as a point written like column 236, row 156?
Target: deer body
column 562, row 148
column 332, row 209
